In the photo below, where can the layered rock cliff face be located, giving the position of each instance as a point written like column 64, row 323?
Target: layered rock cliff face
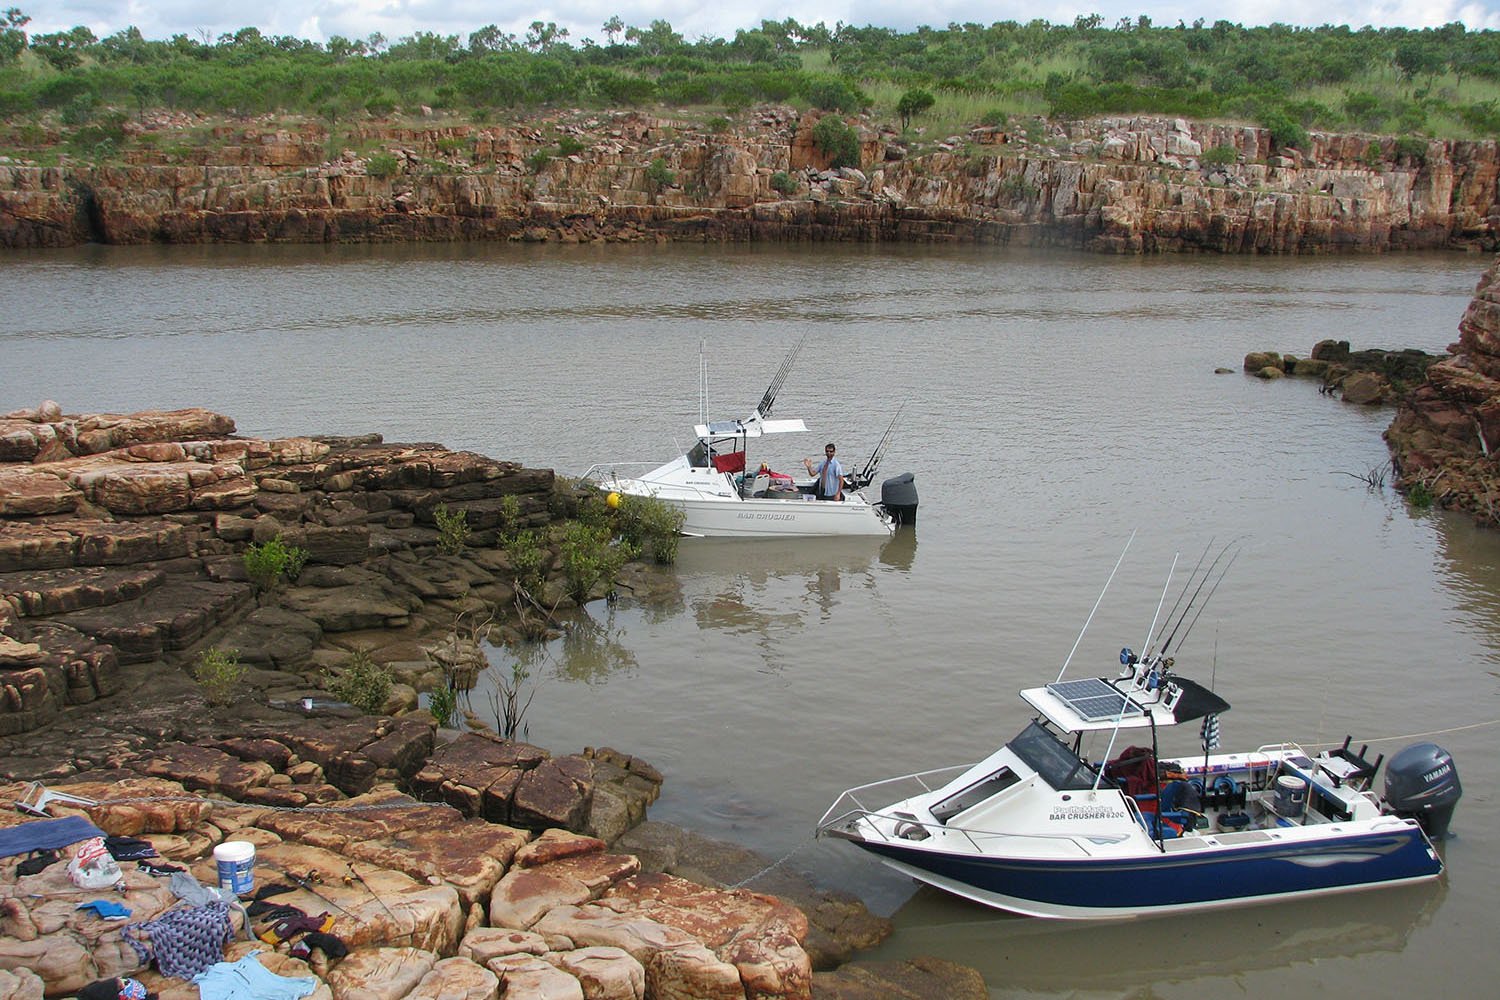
column 1446, row 432
column 1115, row 185
column 122, row 536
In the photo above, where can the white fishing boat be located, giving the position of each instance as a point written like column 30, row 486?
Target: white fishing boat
column 722, row 494
column 1043, row 828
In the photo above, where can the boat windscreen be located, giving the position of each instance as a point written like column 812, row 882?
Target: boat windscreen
column 1057, row 765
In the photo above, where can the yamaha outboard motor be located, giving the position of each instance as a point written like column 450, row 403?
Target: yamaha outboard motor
column 1421, row 783
column 898, row 495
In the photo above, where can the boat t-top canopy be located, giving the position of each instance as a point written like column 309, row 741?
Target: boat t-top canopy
column 1094, row 704
column 751, row 427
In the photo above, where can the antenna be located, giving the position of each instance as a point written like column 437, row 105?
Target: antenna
column 703, row 381
column 1096, row 606
column 1165, row 587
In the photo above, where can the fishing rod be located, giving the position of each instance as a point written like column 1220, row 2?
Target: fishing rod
column 769, row 399
column 1210, row 596
column 361, row 879
column 1149, row 648
column 867, row 475
column 307, row 885
column 1207, row 574
column 1096, row 606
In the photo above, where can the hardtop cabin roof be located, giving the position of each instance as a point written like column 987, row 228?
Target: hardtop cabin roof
column 751, row 427
column 1095, row 704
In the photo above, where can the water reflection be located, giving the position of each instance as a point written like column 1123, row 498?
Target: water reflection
column 1022, row 952
column 901, row 551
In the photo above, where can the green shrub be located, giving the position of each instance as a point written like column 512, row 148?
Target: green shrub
column 382, row 165
column 1373, row 156
column 658, row 174
column 1409, row 147
column 994, row 118
column 718, row 124
column 1286, row 131
column 363, row 683
column 1219, row 156
column 451, row 144
column 783, row 183
column 453, row 529
column 442, row 702
column 1419, row 496
column 510, row 516
column 835, row 138
column 567, row 146
column 835, row 95
column 537, row 162
column 590, row 557
column 527, row 557
column 649, row 525
column 269, row 563
column 218, row 672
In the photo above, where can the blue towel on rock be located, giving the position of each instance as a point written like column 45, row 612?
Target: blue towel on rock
column 247, row 979
column 45, row 835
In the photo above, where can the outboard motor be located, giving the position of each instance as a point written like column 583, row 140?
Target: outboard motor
column 898, row 495
column 1421, row 783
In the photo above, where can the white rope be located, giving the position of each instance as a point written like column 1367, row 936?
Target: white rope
column 1414, row 736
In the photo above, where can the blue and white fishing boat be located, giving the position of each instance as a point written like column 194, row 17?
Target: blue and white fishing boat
column 1040, row 827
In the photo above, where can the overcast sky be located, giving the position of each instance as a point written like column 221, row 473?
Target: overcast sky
column 357, row 19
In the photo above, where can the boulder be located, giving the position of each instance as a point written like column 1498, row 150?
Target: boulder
column 456, row 979
column 603, row 973
column 380, row 973
column 527, row 977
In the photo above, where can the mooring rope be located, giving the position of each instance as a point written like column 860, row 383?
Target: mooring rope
column 769, row 868
column 1413, row 736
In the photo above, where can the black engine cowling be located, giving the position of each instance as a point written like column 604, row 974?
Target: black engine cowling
column 898, row 495
column 1421, row 783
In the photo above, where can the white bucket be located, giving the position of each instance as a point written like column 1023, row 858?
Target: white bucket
column 236, row 861
column 1291, row 796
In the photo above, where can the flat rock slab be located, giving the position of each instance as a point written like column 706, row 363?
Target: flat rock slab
column 52, row 592
column 273, row 637
column 171, row 617
column 53, row 544
column 347, row 609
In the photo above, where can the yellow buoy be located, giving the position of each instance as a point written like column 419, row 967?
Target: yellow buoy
column 613, row 500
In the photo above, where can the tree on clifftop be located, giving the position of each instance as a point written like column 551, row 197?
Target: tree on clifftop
column 913, row 102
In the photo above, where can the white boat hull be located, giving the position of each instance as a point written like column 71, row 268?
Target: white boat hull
column 727, row 515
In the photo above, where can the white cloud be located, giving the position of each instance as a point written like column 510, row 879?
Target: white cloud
column 319, row 19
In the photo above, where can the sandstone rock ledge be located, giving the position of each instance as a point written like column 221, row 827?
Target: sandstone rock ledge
column 121, row 539
column 430, row 899
column 461, row 866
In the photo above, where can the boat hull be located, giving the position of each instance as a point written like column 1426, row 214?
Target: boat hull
column 730, row 516
column 1099, row 888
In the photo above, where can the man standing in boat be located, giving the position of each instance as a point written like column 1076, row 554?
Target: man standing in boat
column 829, row 473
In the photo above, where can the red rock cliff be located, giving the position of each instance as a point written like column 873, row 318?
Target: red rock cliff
column 1116, row 185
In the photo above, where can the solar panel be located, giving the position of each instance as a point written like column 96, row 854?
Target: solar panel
column 1093, row 699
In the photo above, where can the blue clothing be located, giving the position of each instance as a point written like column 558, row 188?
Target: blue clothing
column 46, row 834
column 247, row 979
column 830, row 477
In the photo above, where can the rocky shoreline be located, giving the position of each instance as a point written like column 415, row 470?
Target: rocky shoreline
column 483, row 864
column 1447, row 417
column 1118, row 185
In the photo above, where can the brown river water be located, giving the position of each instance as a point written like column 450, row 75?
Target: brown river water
column 1053, row 405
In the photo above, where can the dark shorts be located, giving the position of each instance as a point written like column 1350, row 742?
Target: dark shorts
column 828, row 498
